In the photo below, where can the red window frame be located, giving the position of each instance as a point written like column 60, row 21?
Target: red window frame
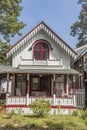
column 41, row 50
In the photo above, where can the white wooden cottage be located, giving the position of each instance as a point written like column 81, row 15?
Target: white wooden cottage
column 40, row 68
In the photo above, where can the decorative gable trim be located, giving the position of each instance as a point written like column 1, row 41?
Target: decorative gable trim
column 45, row 28
column 81, row 55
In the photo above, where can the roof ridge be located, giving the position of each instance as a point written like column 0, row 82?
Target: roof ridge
column 42, row 25
column 80, row 47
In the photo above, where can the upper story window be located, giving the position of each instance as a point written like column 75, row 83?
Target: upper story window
column 41, row 51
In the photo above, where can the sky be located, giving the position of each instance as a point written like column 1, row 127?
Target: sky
column 59, row 15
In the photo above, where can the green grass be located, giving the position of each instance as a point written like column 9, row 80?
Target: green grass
column 63, row 122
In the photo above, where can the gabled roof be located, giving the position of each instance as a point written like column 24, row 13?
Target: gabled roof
column 81, row 51
column 46, row 29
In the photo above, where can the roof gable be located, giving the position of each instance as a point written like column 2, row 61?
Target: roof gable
column 48, row 31
column 81, row 49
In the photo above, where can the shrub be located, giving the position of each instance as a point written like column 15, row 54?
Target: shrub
column 40, row 107
column 10, row 114
column 80, row 113
column 77, row 113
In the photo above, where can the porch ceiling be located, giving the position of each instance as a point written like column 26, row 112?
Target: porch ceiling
column 9, row 69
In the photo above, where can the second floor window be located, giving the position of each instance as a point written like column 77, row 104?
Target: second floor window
column 41, row 51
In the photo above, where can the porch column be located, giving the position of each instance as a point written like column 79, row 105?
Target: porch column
column 7, row 82
column 54, row 90
column 67, row 85
column 28, row 84
column 28, row 87
column 74, row 84
column 7, row 93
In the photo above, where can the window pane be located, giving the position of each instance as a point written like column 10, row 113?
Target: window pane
column 37, row 46
column 45, row 55
column 35, row 84
column 37, row 55
column 45, row 84
column 45, row 46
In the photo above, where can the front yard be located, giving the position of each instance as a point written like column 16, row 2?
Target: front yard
column 10, row 121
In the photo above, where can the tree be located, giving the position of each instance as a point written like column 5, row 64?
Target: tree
column 9, row 22
column 79, row 28
column 3, row 49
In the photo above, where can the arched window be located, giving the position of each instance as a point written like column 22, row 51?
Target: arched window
column 41, row 51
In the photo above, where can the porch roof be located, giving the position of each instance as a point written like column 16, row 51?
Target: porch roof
column 9, row 69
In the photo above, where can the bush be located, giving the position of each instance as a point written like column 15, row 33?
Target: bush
column 77, row 113
column 40, row 107
column 81, row 113
column 10, row 114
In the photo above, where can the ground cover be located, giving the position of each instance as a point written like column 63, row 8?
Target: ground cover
column 77, row 121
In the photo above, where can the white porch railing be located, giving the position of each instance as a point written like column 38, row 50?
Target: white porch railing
column 53, row 100
column 41, row 62
column 16, row 101
column 65, row 102
column 80, row 98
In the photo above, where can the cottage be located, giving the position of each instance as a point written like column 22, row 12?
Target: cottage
column 40, row 68
column 80, row 64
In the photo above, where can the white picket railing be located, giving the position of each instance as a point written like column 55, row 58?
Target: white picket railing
column 41, row 62
column 80, row 98
column 77, row 100
column 53, row 101
column 16, row 101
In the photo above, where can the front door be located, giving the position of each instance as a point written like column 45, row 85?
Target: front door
column 40, row 85
column 21, row 84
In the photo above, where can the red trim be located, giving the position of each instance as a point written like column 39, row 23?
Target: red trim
column 64, row 107
column 50, row 30
column 41, row 40
column 25, row 106
column 41, row 50
column 13, row 106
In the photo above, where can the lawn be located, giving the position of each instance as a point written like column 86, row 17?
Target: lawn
column 50, row 122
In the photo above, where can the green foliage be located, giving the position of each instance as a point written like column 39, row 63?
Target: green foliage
column 40, row 107
column 81, row 113
column 3, row 49
column 10, row 114
column 9, row 22
column 77, row 113
column 19, row 111
column 55, row 122
column 79, row 28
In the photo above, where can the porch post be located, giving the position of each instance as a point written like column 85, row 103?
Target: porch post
column 74, row 84
column 7, row 82
column 28, row 84
column 67, row 85
column 54, row 90
column 28, row 87
column 7, row 94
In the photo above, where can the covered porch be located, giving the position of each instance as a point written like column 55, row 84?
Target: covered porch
column 20, row 87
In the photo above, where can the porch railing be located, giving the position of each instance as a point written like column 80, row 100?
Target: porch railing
column 65, row 101
column 80, row 98
column 16, row 101
column 41, row 62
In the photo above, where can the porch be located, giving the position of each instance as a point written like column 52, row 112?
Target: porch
column 67, row 102
column 20, row 87
column 63, row 105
